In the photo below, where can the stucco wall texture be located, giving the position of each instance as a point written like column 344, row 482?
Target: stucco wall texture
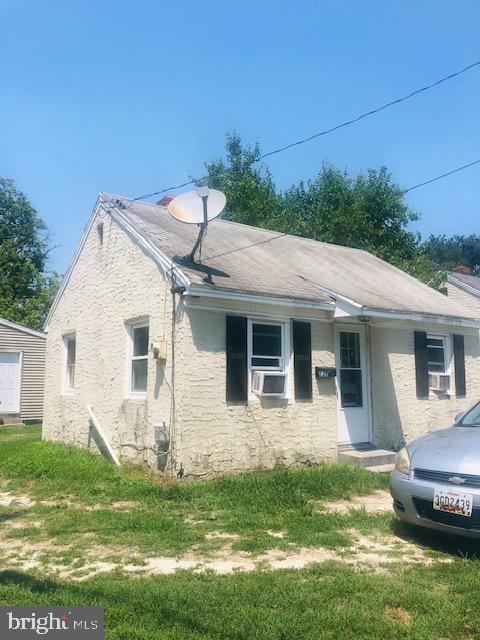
column 398, row 415
column 215, row 436
column 116, row 283
column 110, row 286
column 472, row 303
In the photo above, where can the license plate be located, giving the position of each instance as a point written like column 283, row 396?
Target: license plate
column 453, row 502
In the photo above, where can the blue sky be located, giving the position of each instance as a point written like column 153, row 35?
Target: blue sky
column 130, row 97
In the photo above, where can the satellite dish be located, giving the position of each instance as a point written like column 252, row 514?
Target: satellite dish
column 190, row 207
column 197, row 207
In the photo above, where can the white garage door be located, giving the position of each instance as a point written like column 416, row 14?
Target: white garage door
column 9, row 382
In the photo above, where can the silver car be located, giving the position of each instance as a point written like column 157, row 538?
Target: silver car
column 436, row 480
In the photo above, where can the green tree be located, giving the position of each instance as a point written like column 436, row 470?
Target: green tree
column 449, row 253
column 364, row 211
column 26, row 290
column 251, row 194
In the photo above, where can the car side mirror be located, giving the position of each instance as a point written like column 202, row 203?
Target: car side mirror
column 459, row 416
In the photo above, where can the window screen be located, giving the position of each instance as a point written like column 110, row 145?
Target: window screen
column 266, row 346
column 350, row 370
column 139, row 365
column 436, row 354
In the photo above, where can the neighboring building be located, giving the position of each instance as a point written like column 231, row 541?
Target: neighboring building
column 171, row 358
column 465, row 289
column 22, row 373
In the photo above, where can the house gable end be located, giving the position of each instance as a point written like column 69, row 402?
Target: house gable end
column 101, row 209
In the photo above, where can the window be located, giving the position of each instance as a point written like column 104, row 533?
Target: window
column 472, row 417
column 437, row 354
column 350, row 370
column 138, row 367
column 266, row 346
column 70, row 358
column 268, row 350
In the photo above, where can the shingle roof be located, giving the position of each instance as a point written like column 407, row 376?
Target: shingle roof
column 251, row 260
column 471, row 283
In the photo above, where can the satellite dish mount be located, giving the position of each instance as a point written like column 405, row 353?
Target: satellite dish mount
column 202, row 192
column 197, row 207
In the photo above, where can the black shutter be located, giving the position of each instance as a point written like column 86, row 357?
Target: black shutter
column 236, row 348
column 302, row 354
column 459, row 362
column 421, row 364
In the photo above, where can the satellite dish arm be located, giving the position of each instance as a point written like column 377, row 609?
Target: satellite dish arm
column 203, row 229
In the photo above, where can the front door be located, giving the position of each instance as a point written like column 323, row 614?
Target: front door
column 9, row 382
column 352, row 386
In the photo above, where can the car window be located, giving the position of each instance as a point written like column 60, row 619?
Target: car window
column 472, row 417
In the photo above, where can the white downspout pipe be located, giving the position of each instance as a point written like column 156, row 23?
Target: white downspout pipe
column 96, row 425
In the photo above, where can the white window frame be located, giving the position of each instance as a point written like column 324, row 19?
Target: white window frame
column 446, row 351
column 285, row 351
column 129, row 392
column 67, row 389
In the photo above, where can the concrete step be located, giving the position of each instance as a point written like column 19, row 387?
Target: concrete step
column 382, row 468
column 366, row 456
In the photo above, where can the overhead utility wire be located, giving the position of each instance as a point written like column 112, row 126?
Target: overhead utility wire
column 325, row 132
column 281, row 235
column 444, row 175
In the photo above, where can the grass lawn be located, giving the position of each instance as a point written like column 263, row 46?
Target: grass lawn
column 75, row 529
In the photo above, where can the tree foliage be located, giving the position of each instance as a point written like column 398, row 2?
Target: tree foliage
column 26, row 290
column 251, row 195
column 449, row 253
column 364, row 211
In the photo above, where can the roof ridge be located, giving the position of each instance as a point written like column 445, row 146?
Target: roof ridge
column 250, row 226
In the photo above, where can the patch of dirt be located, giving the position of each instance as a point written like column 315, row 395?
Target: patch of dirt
column 398, row 614
column 276, row 534
column 377, row 502
column 7, row 498
column 215, row 535
column 22, row 524
column 366, row 553
column 124, row 505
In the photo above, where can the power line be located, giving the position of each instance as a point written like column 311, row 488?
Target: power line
column 324, row 132
column 444, row 175
column 282, row 235
column 416, row 186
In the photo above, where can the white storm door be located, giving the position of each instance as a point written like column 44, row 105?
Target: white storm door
column 352, row 386
column 10, row 382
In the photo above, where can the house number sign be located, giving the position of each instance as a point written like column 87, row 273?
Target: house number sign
column 325, row 372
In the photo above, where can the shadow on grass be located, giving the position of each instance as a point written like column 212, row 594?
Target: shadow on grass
column 429, row 539
column 5, row 517
column 27, row 581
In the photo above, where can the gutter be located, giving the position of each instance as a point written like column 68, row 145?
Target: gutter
column 358, row 309
column 199, row 291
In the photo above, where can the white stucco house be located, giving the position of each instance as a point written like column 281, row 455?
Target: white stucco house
column 275, row 350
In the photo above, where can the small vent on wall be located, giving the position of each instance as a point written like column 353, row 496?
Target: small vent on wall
column 100, row 234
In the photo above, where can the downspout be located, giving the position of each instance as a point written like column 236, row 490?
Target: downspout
column 106, row 442
column 370, row 371
column 173, row 414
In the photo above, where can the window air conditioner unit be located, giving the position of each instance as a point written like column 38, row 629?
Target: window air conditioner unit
column 439, row 381
column 269, row 383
